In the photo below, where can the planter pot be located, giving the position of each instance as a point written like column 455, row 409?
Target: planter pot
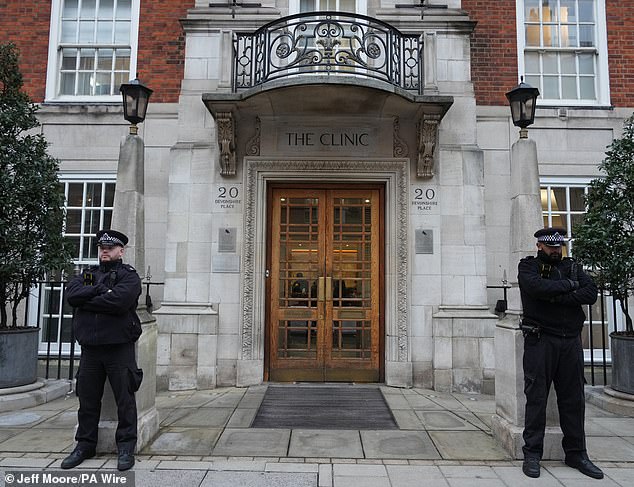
column 622, row 363
column 18, row 356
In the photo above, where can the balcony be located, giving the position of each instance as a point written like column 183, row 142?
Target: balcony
column 328, row 44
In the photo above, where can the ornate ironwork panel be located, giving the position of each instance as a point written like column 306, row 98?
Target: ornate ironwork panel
column 319, row 43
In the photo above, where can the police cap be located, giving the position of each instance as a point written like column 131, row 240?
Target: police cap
column 551, row 236
column 111, row 238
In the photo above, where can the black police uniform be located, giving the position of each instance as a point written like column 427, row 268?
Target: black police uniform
column 106, row 326
column 552, row 298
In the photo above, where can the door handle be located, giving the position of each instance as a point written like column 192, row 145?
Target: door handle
column 329, row 289
column 320, row 289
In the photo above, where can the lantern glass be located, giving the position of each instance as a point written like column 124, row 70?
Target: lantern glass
column 135, row 101
column 523, row 101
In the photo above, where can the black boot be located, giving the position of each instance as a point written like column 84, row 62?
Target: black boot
column 125, row 460
column 76, row 457
column 530, row 467
column 585, row 466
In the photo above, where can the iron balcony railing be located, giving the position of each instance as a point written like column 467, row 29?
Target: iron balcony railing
column 327, row 43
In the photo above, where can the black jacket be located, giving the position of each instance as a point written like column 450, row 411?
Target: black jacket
column 553, row 296
column 105, row 298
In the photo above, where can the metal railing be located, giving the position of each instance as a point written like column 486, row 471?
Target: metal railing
column 58, row 353
column 604, row 317
column 319, row 43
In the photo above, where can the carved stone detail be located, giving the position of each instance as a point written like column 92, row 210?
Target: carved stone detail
column 427, row 140
column 253, row 146
column 225, row 126
column 399, row 146
column 252, row 332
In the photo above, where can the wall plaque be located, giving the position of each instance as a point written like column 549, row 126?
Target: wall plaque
column 227, row 198
column 425, row 200
column 424, row 241
column 227, row 239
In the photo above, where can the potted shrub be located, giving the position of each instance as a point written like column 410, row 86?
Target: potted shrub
column 604, row 242
column 31, row 219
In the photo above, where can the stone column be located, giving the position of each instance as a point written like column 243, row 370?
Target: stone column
column 128, row 217
column 526, row 217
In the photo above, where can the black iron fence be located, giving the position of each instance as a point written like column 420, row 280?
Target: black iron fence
column 327, row 43
column 46, row 307
column 59, row 357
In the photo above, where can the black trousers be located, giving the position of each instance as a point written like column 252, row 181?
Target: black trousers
column 118, row 363
column 552, row 359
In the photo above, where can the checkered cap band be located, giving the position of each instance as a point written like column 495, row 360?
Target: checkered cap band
column 552, row 239
column 106, row 239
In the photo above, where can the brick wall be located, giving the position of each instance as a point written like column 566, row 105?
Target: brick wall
column 161, row 55
column 161, row 51
column 620, row 19
column 493, row 49
column 26, row 23
column 494, row 52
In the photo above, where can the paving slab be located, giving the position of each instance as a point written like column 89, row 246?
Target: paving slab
column 406, row 419
column 415, row 476
column 360, row 480
column 204, row 417
column 443, row 420
column 609, row 449
column 467, row 482
column 65, row 419
column 467, row 445
column 616, row 426
column 357, row 470
column 173, row 478
column 322, row 443
column 228, row 400
column 399, row 444
column 24, row 418
column 514, row 477
column 39, row 440
column 475, row 420
column 235, row 465
column 180, row 440
column 253, row 442
column 624, row 476
column 241, row 418
column 6, row 433
column 258, row 479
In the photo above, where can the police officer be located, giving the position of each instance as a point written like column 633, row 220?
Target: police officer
column 553, row 291
column 106, row 326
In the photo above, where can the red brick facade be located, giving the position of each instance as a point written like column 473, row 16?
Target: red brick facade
column 161, row 53
column 26, row 23
column 162, row 46
column 494, row 50
column 620, row 19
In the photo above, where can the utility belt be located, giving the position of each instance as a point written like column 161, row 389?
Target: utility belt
column 530, row 328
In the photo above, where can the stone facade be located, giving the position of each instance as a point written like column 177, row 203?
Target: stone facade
column 443, row 155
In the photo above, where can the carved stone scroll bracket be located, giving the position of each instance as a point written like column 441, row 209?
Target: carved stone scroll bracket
column 427, row 140
column 226, row 129
column 400, row 147
column 253, row 146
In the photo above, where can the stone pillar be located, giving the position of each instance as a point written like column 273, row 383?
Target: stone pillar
column 128, row 217
column 507, row 424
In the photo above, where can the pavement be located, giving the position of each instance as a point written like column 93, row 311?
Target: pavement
column 205, row 440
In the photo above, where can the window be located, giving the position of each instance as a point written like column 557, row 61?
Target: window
column 92, row 48
column 563, row 205
column 352, row 6
column 89, row 204
column 563, row 50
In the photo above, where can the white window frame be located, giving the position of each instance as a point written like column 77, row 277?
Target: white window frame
column 602, row 75
column 572, row 182
column 362, row 7
column 38, row 300
column 54, row 57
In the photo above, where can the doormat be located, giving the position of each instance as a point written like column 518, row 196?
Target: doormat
column 332, row 408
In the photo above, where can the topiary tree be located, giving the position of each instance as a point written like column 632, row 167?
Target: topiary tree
column 604, row 241
column 31, row 198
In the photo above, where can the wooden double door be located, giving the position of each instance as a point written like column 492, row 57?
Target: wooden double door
column 325, row 287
